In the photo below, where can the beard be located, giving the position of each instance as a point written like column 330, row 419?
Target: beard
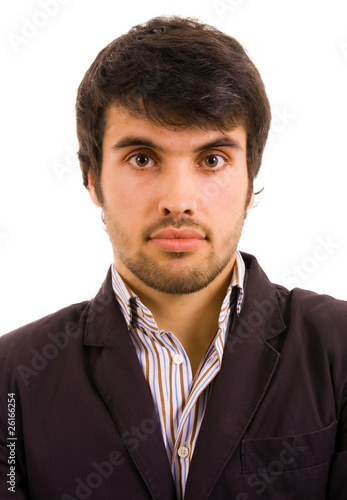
column 176, row 274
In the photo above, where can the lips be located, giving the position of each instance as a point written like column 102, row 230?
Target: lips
column 178, row 240
column 171, row 233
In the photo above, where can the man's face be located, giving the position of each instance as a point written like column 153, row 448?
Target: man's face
column 174, row 201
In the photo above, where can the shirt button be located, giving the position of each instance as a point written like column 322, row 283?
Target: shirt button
column 183, row 452
column 177, row 359
column 140, row 312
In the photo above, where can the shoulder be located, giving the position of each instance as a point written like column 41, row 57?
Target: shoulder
column 304, row 303
column 65, row 322
column 70, row 322
column 308, row 315
column 313, row 309
column 52, row 345
column 318, row 305
column 319, row 321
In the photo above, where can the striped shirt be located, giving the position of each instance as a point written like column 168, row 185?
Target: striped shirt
column 180, row 399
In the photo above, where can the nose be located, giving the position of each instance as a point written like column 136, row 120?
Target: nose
column 178, row 193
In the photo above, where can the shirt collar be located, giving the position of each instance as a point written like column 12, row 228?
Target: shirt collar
column 129, row 302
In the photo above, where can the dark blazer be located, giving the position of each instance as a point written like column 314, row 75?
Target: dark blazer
column 275, row 426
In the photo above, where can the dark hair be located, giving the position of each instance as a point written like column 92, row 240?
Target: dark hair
column 176, row 72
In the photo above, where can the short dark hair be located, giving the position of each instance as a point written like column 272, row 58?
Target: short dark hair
column 176, row 72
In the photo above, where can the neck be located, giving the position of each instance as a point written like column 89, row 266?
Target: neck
column 192, row 318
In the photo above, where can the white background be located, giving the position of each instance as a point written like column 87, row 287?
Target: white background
column 53, row 250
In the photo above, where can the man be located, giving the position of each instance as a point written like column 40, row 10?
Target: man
column 189, row 375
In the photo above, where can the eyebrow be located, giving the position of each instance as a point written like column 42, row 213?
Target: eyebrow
column 127, row 142
column 142, row 141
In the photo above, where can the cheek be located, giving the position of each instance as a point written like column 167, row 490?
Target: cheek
column 224, row 201
column 128, row 202
column 228, row 189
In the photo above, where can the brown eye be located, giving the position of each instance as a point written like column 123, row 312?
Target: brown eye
column 141, row 160
column 214, row 161
column 211, row 161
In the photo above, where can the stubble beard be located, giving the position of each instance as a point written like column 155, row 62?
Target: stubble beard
column 185, row 278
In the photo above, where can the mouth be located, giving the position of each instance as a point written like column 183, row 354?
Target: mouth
column 178, row 240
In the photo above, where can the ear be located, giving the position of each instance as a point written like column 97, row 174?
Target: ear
column 251, row 202
column 91, row 189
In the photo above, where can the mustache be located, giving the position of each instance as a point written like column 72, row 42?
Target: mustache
column 177, row 224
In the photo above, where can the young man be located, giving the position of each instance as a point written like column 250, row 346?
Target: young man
column 189, row 375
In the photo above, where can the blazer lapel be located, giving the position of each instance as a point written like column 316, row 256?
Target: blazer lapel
column 249, row 363
column 121, row 383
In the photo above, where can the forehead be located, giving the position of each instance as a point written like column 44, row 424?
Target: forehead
column 121, row 125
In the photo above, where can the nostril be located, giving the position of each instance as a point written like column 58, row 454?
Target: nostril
column 175, row 213
column 176, row 205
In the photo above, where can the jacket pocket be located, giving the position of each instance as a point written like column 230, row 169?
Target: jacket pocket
column 289, row 452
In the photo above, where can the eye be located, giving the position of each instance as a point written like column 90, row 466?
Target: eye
column 141, row 160
column 214, row 161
